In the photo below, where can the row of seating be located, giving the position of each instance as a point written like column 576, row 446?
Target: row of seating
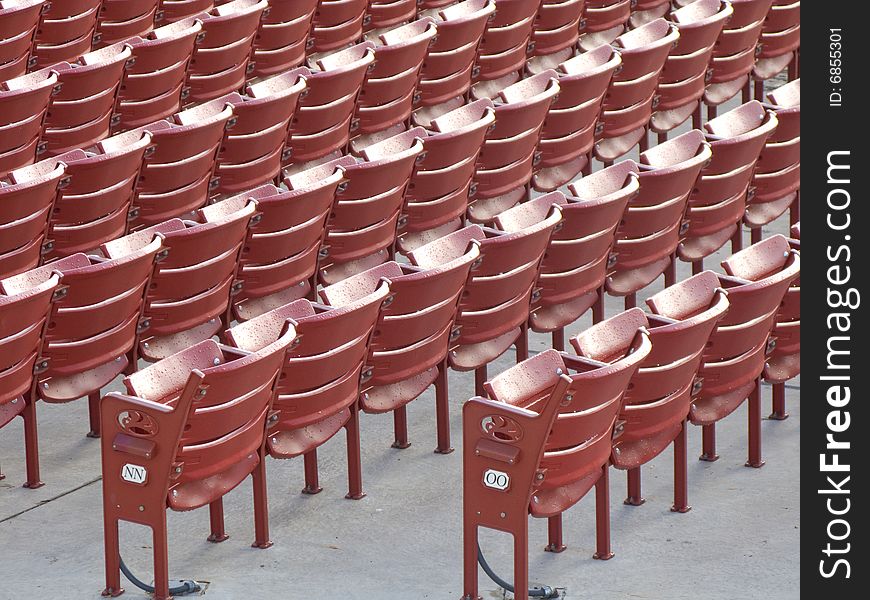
column 648, row 78
column 404, row 190
column 548, row 429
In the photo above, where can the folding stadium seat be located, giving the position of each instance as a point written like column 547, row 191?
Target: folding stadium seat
column 777, row 179
column 580, row 252
column 23, row 318
column 23, row 105
column 718, row 200
column 153, row 87
column 557, row 26
column 189, row 429
column 784, row 362
column 437, row 195
column 283, row 37
column 644, row 11
column 190, row 290
column 505, row 45
column 176, row 10
column 410, row 342
column 389, row 13
column 93, row 323
column 93, row 205
column 659, row 395
column 319, row 385
column 780, row 43
column 653, row 225
column 122, row 19
column 178, row 174
column 494, row 308
column 505, row 164
column 387, row 96
column 735, row 51
column 337, row 23
column 569, row 130
column 279, row 258
column 684, row 77
column 25, row 210
column 605, row 20
column 630, row 99
column 542, row 442
column 18, row 23
column 323, row 122
column 361, row 230
column 252, row 149
column 758, row 279
column 449, row 66
column 83, row 110
column 222, row 57
column 66, row 30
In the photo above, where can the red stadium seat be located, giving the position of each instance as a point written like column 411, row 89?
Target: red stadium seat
column 388, row 13
column 580, row 253
column 337, row 23
column 737, row 351
column 571, row 124
column 684, row 77
column 222, row 58
column 283, row 37
column 324, row 122
column 777, row 179
column 654, row 223
column 23, row 318
column 448, row 70
column 604, row 21
column 629, row 101
column 659, row 395
column 83, row 110
column 361, row 230
column 319, row 385
column 252, row 149
column 735, row 51
column 557, row 26
column 93, row 323
column 785, row 361
column 94, row 205
column 542, row 442
column 410, row 342
column 780, row 40
column 510, row 150
column 192, row 284
column 23, row 105
column 505, row 45
column 119, row 20
column 189, row 430
column 178, row 174
column 280, row 256
column 437, row 195
column 154, row 87
column 25, row 209
column 718, row 200
column 18, row 23
column 66, row 30
column 387, row 96
column 494, row 308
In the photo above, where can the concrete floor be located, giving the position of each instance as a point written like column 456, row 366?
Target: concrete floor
column 404, row 539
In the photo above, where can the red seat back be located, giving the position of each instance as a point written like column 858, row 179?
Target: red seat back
column 23, row 104
column 25, row 210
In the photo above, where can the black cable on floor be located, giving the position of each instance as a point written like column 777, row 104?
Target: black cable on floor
column 539, row 592
column 186, row 587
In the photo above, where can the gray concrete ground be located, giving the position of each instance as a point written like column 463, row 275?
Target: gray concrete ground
column 404, row 539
